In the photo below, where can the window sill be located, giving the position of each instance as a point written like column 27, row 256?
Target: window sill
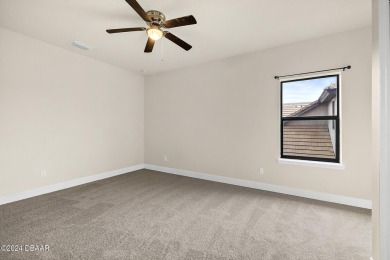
column 335, row 166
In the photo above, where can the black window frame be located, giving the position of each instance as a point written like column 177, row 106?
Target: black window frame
column 334, row 118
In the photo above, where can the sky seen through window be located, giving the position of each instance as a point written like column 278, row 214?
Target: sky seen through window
column 305, row 90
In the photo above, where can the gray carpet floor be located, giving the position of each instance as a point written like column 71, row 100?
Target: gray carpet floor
column 153, row 215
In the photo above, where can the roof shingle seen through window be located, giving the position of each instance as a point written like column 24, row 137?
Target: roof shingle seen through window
column 307, row 140
column 290, row 108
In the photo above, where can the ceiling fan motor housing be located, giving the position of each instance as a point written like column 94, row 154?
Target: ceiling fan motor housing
column 156, row 17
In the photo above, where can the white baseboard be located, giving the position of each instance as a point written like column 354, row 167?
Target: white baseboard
column 67, row 184
column 361, row 203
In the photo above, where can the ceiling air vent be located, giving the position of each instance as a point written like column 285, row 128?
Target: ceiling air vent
column 81, row 45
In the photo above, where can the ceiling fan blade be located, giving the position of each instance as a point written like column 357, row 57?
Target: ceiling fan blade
column 178, row 41
column 135, row 29
column 182, row 21
column 149, row 45
column 138, row 9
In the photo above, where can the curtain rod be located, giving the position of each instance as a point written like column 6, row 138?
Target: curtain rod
column 342, row 68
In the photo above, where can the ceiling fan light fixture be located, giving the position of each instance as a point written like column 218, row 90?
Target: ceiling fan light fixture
column 154, row 33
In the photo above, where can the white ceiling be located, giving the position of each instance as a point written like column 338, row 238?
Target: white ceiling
column 225, row 27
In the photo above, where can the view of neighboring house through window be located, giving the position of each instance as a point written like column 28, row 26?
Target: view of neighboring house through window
column 310, row 119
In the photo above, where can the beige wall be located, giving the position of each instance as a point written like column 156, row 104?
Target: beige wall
column 74, row 116
column 65, row 113
column 222, row 118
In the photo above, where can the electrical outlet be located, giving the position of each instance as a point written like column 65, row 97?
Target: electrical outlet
column 165, row 158
column 261, row 171
column 43, row 173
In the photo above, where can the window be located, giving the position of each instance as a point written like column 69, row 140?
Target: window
column 310, row 124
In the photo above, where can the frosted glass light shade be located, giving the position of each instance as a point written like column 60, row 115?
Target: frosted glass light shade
column 154, row 33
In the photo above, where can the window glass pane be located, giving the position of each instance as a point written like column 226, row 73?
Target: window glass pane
column 310, row 97
column 309, row 138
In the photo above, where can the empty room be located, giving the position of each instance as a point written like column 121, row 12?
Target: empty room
column 140, row 129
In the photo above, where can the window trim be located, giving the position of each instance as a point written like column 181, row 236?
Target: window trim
column 327, row 165
column 336, row 118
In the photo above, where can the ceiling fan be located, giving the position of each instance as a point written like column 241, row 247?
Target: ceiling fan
column 156, row 21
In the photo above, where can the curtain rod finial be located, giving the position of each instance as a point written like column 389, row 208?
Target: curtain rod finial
column 276, row 77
